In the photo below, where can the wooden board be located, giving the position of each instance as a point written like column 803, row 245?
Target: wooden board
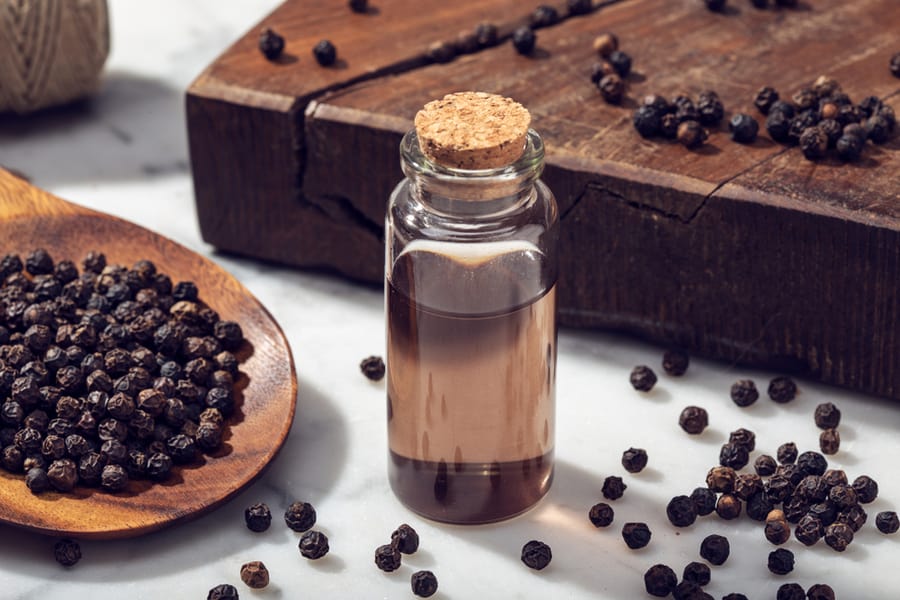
column 266, row 386
column 749, row 254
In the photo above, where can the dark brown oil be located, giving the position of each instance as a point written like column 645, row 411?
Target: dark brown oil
column 471, row 380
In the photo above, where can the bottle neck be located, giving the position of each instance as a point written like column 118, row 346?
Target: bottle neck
column 472, row 194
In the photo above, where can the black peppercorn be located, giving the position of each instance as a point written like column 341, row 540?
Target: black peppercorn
column 524, row 40
column 759, row 506
column 849, row 147
column 777, row 488
column 894, row 64
column 721, row 479
column 39, row 262
column 325, row 53
column 820, row 591
column 778, row 125
column 855, row 517
column 313, row 545
column 765, row 98
column 660, row 580
column 795, row 508
column 579, row 7
column 743, row 128
column 37, row 480
column 601, row 515
column 838, row 536
column 359, row 6
column 642, row 377
column 536, row 555
column 682, row 511
column 842, row 496
column 544, row 16
column 636, row 535
column 271, row 45
column 612, row 88
column 813, row 143
column 734, row 455
column 441, row 52
column 646, row 120
column 486, row 34
column 675, row 362
column 387, row 558
column 406, row 539
column 781, row 561
column 710, row 108
column 693, row 419
column 744, row 438
column 790, row 591
column 114, row 478
column 887, row 522
column 866, row 489
column 606, row 43
column 826, row 512
column 833, row 477
column 634, row 460
column 668, row 126
column 373, row 368
column 715, row 5
column 63, row 474
column 715, row 549
column 704, row 500
column 621, row 62
column 696, row 572
column 746, row 485
column 787, row 453
column 159, row 465
column 878, row 128
column 300, row 516
column 223, row 592
column 599, row 70
column 830, row 441
column 809, row 530
column 832, row 130
column 691, row 134
column 805, row 98
column 258, row 517
column 687, row 590
column 424, row 583
column 777, row 529
column 67, row 552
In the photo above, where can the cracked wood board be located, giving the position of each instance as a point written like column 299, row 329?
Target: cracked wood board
column 745, row 253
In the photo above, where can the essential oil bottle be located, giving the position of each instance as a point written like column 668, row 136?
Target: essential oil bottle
column 471, row 270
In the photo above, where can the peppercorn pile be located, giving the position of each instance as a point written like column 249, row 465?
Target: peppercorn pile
column 108, row 375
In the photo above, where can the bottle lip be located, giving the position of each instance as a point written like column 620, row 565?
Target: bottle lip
column 528, row 165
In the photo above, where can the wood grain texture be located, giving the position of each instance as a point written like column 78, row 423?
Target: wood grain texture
column 31, row 218
column 749, row 254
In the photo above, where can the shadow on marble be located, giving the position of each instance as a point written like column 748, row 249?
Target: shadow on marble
column 133, row 128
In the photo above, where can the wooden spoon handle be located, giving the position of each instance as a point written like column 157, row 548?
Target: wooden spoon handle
column 19, row 199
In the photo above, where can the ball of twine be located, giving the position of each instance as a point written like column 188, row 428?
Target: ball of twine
column 51, row 51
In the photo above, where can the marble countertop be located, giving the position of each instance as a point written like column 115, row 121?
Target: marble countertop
column 125, row 153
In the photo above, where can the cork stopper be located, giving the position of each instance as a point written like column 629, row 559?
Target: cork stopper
column 473, row 130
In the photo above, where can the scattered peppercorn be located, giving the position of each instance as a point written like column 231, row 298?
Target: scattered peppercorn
column 746, row 485
column 643, row 378
column 313, row 545
column 790, row 591
column 813, row 143
column 704, row 500
column 715, row 5
column 781, row 561
column 855, row 517
column 300, row 516
column 613, row 487
column 612, row 88
column 693, row 420
column 765, row 98
column 524, row 40
column 601, row 514
column 636, row 535
column 660, row 580
column 759, row 506
column 579, row 7
column 424, row 583
column 387, row 558
column 849, row 147
column 887, row 522
column 777, row 529
column 760, row 3
column 634, row 460
column 787, row 453
column 359, row 6
column 441, row 51
column 710, row 108
column 325, row 53
column 728, row 597
column 621, row 62
column 606, row 43
column 536, row 555
column 223, row 592
column 728, row 507
column 686, row 590
column 715, row 549
column 675, row 362
column 782, row 389
column 486, row 34
column 691, row 134
column 743, row 128
column 668, row 126
column 258, row 517
column 255, row 574
column 878, row 128
column 67, row 552
column 895, row 65
column 830, row 441
column 744, row 392
column 544, row 16
column 406, row 539
column 696, row 572
column 721, row 479
column 271, row 45
column 646, row 120
column 866, row 489
column 838, row 536
column 820, row 591
column 744, row 438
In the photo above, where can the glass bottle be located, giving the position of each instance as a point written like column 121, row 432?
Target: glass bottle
column 471, row 270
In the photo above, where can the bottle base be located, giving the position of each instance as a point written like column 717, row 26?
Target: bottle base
column 470, row 493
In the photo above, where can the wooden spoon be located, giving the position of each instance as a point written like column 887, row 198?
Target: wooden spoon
column 31, row 218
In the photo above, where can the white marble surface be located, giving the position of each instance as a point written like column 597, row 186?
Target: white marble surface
column 126, row 154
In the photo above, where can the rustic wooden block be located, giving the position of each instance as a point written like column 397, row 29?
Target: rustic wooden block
column 750, row 254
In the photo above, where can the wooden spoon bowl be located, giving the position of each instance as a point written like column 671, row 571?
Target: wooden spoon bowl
column 31, row 218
